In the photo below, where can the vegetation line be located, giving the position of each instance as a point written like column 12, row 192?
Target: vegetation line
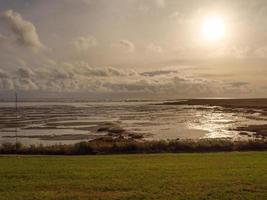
column 102, row 146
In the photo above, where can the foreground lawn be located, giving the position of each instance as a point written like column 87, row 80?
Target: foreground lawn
column 159, row 176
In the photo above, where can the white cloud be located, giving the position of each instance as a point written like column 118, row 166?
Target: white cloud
column 179, row 17
column 84, row 43
column 154, row 48
column 24, row 31
column 126, row 45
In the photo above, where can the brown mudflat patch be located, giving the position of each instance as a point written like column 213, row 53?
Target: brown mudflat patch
column 260, row 130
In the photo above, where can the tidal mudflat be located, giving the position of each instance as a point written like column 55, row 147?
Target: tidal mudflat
column 72, row 122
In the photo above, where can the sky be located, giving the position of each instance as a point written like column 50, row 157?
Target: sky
column 133, row 49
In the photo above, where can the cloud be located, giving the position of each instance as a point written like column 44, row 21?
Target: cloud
column 240, row 52
column 237, row 52
column 25, row 84
column 126, row 45
column 81, row 77
column 84, row 43
column 6, row 84
column 158, row 72
column 24, row 31
column 25, row 73
column 154, row 48
column 238, row 84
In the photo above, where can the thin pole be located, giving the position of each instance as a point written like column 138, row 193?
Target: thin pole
column 16, row 104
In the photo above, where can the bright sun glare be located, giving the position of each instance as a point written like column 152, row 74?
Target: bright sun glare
column 213, row 29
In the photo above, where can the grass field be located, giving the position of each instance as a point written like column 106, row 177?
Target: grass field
column 155, row 176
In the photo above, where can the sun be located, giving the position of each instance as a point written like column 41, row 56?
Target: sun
column 213, row 28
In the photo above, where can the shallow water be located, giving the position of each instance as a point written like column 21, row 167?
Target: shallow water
column 153, row 121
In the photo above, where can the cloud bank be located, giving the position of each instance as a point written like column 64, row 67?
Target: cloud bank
column 81, row 77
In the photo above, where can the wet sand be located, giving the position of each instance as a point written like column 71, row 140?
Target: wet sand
column 191, row 119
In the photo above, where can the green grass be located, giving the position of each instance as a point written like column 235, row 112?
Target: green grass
column 148, row 176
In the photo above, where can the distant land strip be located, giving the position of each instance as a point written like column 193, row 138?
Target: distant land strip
column 242, row 103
